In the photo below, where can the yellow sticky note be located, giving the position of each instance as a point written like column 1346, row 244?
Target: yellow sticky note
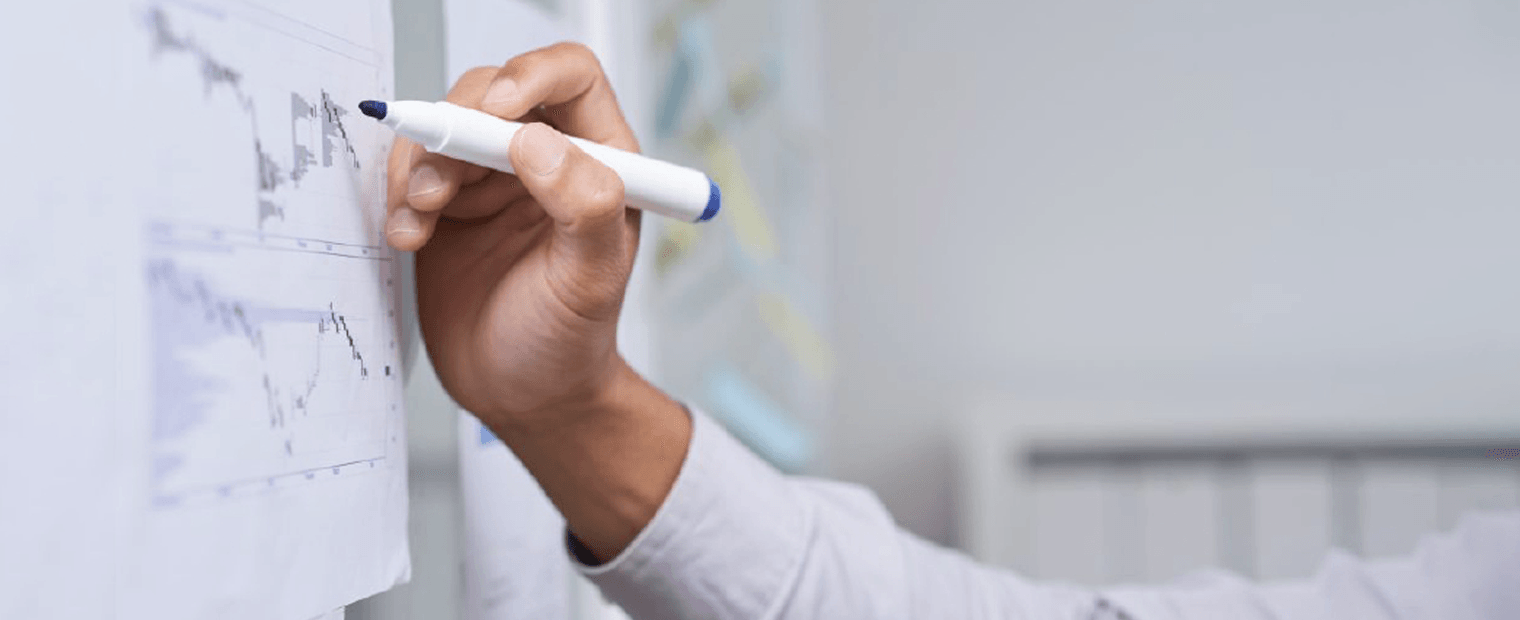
column 676, row 239
column 740, row 205
column 747, row 89
column 682, row 235
column 798, row 335
column 668, row 30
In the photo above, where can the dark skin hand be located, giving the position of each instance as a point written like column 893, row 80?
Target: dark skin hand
column 520, row 281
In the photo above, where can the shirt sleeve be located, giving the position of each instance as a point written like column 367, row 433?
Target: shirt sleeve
column 736, row 539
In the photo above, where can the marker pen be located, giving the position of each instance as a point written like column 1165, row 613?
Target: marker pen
column 481, row 139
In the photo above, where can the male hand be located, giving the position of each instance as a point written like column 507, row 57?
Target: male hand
column 520, row 278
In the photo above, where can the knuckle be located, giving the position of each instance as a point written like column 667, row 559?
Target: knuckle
column 397, row 170
column 477, row 75
column 467, row 89
column 574, row 48
column 522, row 62
column 579, row 55
column 599, row 189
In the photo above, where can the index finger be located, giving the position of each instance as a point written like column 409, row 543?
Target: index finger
column 567, row 80
column 434, row 179
column 398, row 167
column 406, row 228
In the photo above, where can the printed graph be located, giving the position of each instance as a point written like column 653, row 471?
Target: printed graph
column 271, row 296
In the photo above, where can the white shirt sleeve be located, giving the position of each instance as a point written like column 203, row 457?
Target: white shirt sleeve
column 736, row 539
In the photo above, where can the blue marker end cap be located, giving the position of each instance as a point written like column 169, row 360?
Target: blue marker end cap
column 714, row 201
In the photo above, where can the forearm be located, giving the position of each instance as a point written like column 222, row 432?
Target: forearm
column 608, row 461
column 736, row 539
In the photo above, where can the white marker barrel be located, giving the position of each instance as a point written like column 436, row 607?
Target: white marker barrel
column 479, row 138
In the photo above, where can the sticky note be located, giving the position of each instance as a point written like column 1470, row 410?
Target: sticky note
column 749, row 88
column 677, row 90
column 741, row 208
column 486, row 436
column 801, row 339
column 756, row 419
column 675, row 241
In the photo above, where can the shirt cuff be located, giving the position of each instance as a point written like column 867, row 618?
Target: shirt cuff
column 728, row 542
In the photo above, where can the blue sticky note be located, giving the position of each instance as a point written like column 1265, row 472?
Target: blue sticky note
column 673, row 99
column 486, row 436
column 757, row 420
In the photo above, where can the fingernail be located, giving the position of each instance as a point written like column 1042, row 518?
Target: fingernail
column 543, row 149
column 404, row 222
column 501, row 93
column 425, row 180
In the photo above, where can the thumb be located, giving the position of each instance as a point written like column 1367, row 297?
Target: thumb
column 590, row 254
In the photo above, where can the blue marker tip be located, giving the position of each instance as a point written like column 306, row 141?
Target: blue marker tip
column 714, row 202
column 373, row 109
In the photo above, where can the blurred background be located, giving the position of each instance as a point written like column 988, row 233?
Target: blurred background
column 1102, row 291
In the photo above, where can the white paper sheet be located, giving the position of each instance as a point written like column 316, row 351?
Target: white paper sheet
column 203, row 338
column 515, row 564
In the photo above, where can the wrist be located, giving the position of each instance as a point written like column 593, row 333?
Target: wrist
column 606, row 458
column 600, row 394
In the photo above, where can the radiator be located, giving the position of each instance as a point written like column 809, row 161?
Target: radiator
column 1147, row 498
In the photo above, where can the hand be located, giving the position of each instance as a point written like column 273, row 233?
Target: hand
column 520, row 278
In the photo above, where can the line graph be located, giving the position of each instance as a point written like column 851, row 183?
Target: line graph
column 322, row 120
column 271, row 296
column 193, row 312
column 333, row 133
column 248, row 385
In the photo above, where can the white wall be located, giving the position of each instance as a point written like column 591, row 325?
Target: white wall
column 1166, row 202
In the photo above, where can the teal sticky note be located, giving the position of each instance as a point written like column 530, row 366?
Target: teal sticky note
column 757, row 420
